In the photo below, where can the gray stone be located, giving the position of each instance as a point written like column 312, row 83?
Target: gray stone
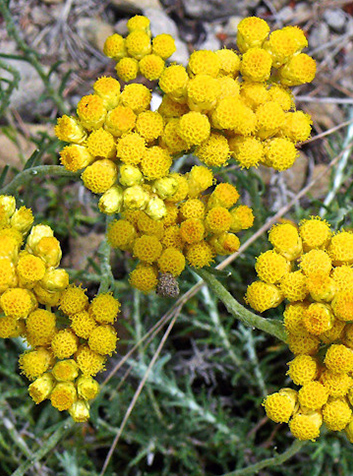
column 319, row 35
column 285, row 14
column 212, row 9
column 212, row 42
column 135, row 6
column 120, row 27
column 162, row 23
column 25, row 99
column 231, row 27
column 336, row 19
column 94, row 30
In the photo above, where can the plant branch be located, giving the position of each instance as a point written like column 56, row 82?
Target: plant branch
column 272, row 327
column 41, row 170
column 274, row 461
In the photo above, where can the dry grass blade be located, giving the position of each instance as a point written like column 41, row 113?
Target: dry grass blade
column 137, row 394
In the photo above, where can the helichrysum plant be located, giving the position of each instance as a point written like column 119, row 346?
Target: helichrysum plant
column 310, row 268
column 68, row 337
column 224, row 105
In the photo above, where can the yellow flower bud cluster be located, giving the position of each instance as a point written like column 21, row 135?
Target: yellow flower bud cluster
column 223, row 104
column 138, row 53
column 227, row 104
column 196, row 228
column 61, row 361
column 311, row 267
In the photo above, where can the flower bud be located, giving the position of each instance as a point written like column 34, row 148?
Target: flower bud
column 87, row 387
column 49, row 250
column 22, row 220
column 65, row 370
column 68, row 129
column 165, row 187
column 156, row 208
column 111, row 201
column 130, row 175
column 37, row 233
column 41, row 388
column 7, row 208
column 79, row 411
column 55, row 280
column 63, row 396
column 135, row 198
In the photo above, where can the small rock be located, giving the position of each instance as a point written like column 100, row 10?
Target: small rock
column 213, row 9
column 325, row 114
column 25, row 98
column 336, row 19
column 94, row 30
column 135, row 6
column 162, row 23
column 285, row 14
column 319, row 35
column 321, row 187
column 120, row 27
column 82, row 248
column 296, row 175
column 231, row 27
column 211, row 43
column 40, row 16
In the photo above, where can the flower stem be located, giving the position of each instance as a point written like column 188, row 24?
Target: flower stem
column 27, row 175
column 271, row 326
column 274, row 461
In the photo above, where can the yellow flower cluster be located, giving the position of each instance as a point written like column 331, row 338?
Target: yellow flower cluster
column 311, row 267
column 197, row 227
column 60, row 361
column 223, row 104
column 137, row 53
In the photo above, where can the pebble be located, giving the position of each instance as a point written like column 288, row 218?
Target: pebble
column 212, row 9
column 336, row 19
column 162, row 23
column 94, row 30
column 319, row 36
column 135, row 6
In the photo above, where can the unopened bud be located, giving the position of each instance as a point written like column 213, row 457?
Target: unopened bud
column 111, row 201
column 22, row 220
column 136, row 198
column 130, row 175
column 37, row 233
column 79, row 411
column 156, row 208
column 165, row 187
column 55, row 280
column 87, row 388
column 41, row 388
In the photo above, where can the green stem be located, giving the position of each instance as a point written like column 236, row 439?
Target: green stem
column 47, row 446
column 272, row 327
column 274, row 461
column 27, row 175
column 31, row 57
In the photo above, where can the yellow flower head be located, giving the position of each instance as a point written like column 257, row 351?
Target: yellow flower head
column 286, row 241
column 63, row 395
column 256, row 65
column 300, row 69
column 192, row 230
column 163, row 45
column 252, row 31
column 271, row 267
column 203, row 91
column 280, row 406
column 303, row 343
column 214, row 151
column 108, row 89
column 242, row 218
column 18, row 302
column 303, row 369
column 155, row 163
column 127, row 69
column 101, row 143
column 315, row 233
column 199, row 179
column 263, row 296
column 89, row 362
column 131, row 148
column 100, row 176
column 120, row 120
column 151, row 67
column 73, row 300
column 103, row 340
column 247, row 151
column 199, row 254
column 87, row 388
column 138, row 22
column 194, row 128
column 136, row 96
column 34, row 363
column 65, row 370
column 306, row 426
column 114, row 47
column 82, row 324
column 41, row 388
column 69, row 129
column 230, row 62
column 75, row 157
column 218, row 220
column 104, row 308
column 293, row 317
column 173, row 81
column 336, row 414
column 339, row 358
column 149, row 125
column 147, row 248
column 138, row 44
column 341, row 248
column 204, row 62
column 64, row 344
column 318, row 318
column 316, row 261
column 41, row 327
column 313, row 395
column 144, row 278
column 171, row 261
column 91, row 111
